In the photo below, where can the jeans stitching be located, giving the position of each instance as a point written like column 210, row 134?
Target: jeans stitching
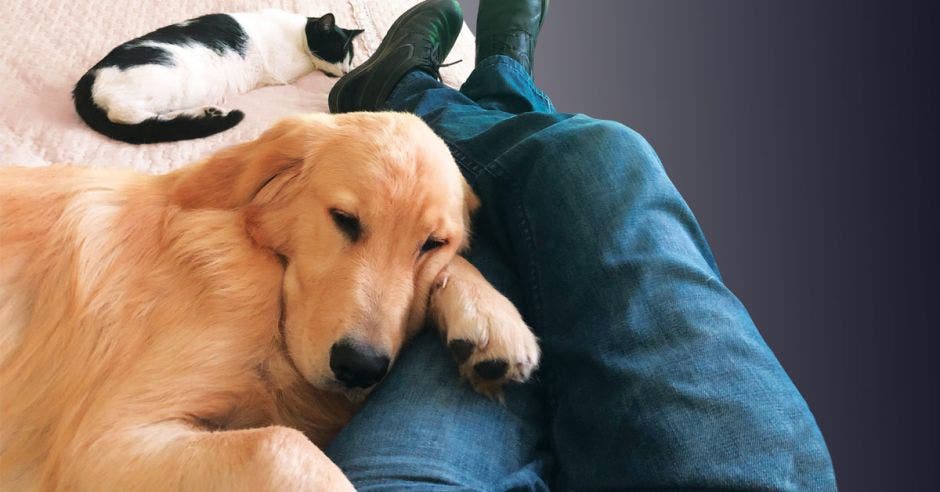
column 528, row 237
column 454, row 477
column 473, row 166
column 546, row 380
column 514, row 66
column 532, row 284
column 469, row 165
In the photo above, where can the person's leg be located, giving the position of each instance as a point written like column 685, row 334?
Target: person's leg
column 499, row 83
column 655, row 373
column 425, row 429
column 507, row 31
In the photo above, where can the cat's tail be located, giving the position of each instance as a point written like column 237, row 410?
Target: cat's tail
column 153, row 130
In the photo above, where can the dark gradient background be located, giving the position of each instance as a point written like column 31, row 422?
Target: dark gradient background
column 804, row 135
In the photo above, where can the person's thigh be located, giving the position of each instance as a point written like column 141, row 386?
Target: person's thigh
column 424, row 428
column 655, row 373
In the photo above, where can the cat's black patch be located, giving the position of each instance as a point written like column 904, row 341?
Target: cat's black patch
column 152, row 130
column 218, row 32
column 128, row 55
column 329, row 42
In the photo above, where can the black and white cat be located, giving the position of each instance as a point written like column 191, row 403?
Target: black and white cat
column 161, row 87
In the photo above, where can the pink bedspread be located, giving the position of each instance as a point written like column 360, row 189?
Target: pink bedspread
column 48, row 45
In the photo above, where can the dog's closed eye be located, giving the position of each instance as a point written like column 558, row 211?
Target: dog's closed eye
column 347, row 223
column 432, row 243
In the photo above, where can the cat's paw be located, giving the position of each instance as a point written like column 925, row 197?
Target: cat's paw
column 212, row 112
column 485, row 333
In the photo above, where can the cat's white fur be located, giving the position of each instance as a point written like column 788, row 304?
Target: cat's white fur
column 276, row 53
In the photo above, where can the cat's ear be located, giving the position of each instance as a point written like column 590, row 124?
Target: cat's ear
column 352, row 33
column 326, row 22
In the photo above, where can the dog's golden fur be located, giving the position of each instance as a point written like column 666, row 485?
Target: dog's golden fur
column 174, row 331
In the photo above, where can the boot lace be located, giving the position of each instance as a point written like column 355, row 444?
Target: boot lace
column 435, row 61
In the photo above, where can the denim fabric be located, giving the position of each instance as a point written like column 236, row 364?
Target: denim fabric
column 653, row 374
column 425, row 429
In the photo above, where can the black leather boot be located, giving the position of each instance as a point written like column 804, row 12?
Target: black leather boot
column 510, row 27
column 420, row 38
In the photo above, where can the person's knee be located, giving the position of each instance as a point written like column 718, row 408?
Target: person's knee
column 617, row 146
column 592, row 161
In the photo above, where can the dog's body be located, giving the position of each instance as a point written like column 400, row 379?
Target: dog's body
column 175, row 331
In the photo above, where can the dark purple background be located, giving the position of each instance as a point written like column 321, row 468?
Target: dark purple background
column 804, row 134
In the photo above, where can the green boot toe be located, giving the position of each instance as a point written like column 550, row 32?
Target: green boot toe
column 420, row 38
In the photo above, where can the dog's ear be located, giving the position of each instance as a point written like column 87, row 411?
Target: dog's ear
column 249, row 172
column 470, row 204
column 470, row 201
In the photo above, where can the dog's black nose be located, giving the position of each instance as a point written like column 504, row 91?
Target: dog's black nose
column 356, row 365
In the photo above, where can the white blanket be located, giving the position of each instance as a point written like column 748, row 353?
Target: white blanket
column 49, row 44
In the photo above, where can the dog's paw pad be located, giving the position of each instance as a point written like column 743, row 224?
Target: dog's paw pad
column 491, row 370
column 486, row 335
column 495, row 353
column 461, row 350
column 213, row 111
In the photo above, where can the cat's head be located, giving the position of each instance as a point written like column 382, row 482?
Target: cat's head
column 330, row 44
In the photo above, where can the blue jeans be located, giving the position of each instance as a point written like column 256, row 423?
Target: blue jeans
column 653, row 374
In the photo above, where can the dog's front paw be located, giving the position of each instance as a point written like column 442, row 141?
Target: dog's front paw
column 486, row 335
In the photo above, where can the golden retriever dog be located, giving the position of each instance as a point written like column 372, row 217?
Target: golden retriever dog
column 212, row 328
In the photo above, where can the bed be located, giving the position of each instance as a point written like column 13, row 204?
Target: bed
column 48, row 46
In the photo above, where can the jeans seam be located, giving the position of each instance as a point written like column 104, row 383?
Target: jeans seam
column 531, row 83
column 514, row 66
column 471, row 166
column 548, row 381
column 528, row 237
column 460, row 478
column 533, row 275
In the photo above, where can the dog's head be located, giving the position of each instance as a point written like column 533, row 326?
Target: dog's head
column 364, row 210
